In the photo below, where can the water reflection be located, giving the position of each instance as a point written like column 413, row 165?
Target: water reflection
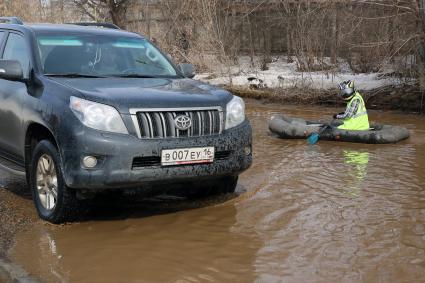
column 188, row 246
column 357, row 162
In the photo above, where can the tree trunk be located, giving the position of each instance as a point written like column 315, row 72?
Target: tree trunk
column 289, row 42
column 117, row 11
column 391, row 38
column 421, row 57
column 334, row 43
column 422, row 48
column 3, row 8
column 62, row 11
column 251, row 43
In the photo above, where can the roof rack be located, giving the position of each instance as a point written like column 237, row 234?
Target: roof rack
column 11, row 20
column 101, row 25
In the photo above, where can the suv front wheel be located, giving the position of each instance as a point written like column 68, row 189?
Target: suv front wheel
column 54, row 201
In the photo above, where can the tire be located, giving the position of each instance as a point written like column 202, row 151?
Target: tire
column 54, row 201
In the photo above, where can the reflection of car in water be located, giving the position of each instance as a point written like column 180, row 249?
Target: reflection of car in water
column 357, row 162
column 84, row 109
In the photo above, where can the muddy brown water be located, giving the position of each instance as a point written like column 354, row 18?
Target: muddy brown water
column 332, row 212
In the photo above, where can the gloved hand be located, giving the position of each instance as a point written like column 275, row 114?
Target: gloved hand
column 335, row 116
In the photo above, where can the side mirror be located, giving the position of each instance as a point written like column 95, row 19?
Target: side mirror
column 11, row 70
column 187, row 70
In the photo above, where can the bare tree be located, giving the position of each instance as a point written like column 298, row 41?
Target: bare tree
column 104, row 10
column 368, row 34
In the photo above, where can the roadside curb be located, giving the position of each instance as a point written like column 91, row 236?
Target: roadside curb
column 10, row 273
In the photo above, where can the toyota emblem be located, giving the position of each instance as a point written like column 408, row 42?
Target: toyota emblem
column 183, row 122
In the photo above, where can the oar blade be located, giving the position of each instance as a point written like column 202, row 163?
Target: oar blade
column 313, row 138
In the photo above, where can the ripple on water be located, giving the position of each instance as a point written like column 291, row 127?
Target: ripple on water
column 337, row 212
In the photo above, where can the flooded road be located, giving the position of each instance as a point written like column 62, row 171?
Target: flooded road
column 332, row 212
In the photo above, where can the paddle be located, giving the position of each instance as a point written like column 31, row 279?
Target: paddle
column 314, row 137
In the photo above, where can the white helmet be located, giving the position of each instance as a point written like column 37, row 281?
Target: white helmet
column 347, row 89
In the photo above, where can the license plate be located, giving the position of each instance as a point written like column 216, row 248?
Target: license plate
column 182, row 156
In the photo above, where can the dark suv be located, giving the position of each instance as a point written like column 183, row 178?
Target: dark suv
column 85, row 109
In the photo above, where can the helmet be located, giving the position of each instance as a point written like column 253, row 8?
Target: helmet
column 347, row 89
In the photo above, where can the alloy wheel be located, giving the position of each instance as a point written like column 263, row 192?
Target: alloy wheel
column 47, row 182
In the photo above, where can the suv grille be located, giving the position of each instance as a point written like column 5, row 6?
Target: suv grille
column 161, row 124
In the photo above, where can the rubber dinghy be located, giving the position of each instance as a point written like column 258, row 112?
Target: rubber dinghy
column 296, row 128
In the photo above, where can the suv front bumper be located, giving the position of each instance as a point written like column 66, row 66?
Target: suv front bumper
column 116, row 154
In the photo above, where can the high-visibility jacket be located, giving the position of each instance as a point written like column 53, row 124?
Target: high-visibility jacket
column 359, row 121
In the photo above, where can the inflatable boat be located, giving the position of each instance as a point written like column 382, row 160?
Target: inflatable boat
column 295, row 128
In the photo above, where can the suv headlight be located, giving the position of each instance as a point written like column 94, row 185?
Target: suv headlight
column 235, row 112
column 97, row 116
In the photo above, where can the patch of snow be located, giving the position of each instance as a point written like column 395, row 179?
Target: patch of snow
column 281, row 74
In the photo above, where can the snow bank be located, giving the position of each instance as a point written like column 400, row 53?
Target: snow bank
column 281, row 74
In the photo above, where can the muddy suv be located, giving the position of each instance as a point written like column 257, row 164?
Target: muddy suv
column 86, row 109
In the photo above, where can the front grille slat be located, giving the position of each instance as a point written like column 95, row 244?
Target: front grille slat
column 151, row 133
column 203, row 123
column 217, row 123
column 161, row 124
column 170, row 124
column 177, row 130
column 210, row 119
column 144, row 125
column 199, row 119
column 164, row 124
column 159, row 130
column 191, row 130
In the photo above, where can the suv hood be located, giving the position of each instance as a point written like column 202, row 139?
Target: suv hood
column 126, row 93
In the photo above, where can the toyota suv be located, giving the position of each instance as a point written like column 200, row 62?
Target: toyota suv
column 85, row 109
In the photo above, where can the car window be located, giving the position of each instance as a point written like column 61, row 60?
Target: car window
column 102, row 55
column 16, row 49
column 1, row 36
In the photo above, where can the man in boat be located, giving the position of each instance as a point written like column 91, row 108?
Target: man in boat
column 355, row 116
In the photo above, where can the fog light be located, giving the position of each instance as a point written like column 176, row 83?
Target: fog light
column 248, row 150
column 89, row 161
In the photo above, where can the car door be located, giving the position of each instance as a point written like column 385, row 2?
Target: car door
column 12, row 97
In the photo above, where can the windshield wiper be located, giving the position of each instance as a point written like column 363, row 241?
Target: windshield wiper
column 133, row 76
column 150, row 64
column 73, row 75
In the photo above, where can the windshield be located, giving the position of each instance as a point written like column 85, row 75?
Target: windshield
column 101, row 56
